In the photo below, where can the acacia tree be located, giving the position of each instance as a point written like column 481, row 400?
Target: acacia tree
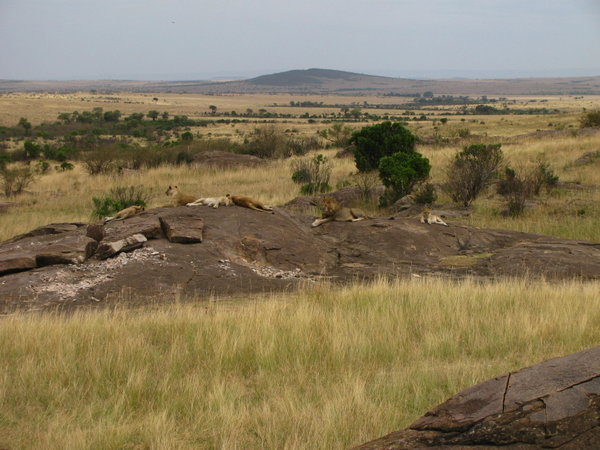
column 23, row 122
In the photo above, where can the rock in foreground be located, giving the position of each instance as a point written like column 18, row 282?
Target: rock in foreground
column 554, row 404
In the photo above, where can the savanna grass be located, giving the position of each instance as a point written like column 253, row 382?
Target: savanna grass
column 324, row 367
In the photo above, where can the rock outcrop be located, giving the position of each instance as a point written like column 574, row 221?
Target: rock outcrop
column 200, row 251
column 554, row 404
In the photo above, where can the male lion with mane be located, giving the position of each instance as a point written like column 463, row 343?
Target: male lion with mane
column 334, row 211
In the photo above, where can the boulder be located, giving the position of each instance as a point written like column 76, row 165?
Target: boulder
column 587, row 158
column 106, row 249
column 553, row 404
column 16, row 262
column 182, row 229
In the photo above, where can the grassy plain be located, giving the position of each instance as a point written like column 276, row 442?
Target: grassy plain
column 319, row 368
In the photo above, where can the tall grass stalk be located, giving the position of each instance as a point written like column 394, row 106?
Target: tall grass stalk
column 325, row 367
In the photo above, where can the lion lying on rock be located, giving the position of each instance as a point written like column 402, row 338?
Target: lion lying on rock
column 334, row 211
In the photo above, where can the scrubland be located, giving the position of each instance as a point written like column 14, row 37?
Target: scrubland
column 322, row 367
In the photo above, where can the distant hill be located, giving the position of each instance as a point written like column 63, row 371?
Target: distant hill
column 326, row 81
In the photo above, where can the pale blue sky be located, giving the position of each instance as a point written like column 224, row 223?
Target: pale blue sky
column 198, row 39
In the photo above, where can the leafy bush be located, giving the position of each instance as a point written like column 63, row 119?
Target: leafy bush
column 313, row 174
column 590, row 119
column 14, row 181
column 376, row 141
column 471, row 171
column 119, row 198
column 400, row 172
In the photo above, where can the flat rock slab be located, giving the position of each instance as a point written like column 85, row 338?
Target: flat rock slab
column 108, row 249
column 181, row 228
column 553, row 404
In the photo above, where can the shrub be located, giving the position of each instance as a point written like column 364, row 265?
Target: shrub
column 14, row 181
column 267, row 142
column 313, row 174
column 376, row 141
column 4, row 158
column 590, row 119
column 366, row 183
column 338, row 134
column 471, row 171
column 426, row 194
column 119, row 198
column 32, row 149
column 101, row 161
column 400, row 172
column 43, row 166
column 64, row 166
column 516, row 189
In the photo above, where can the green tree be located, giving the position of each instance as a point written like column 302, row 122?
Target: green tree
column 23, row 122
column 213, row 109
column 112, row 116
column 153, row 114
column 400, row 173
column 376, row 141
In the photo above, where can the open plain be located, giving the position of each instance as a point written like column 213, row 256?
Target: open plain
column 328, row 361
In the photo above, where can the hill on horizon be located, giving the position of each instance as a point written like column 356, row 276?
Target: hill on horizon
column 326, row 81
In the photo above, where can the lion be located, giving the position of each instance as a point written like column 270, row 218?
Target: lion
column 215, row 202
column 249, row 202
column 125, row 213
column 334, row 211
column 428, row 217
column 178, row 197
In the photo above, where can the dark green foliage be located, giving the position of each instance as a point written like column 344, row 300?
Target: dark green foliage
column 590, row 119
column 4, row 158
column 59, row 154
column 376, row 141
column 187, row 137
column 471, row 171
column 184, row 158
column 119, row 198
column 400, row 172
column 112, row 116
column 32, row 149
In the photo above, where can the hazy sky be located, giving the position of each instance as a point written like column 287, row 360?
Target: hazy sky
column 202, row 39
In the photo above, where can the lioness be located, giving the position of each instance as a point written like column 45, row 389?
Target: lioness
column 125, row 213
column 334, row 211
column 249, row 202
column 428, row 217
column 178, row 197
column 215, row 202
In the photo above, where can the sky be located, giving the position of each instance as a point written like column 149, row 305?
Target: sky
column 225, row 39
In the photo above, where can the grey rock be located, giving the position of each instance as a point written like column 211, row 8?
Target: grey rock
column 553, row 404
column 107, row 249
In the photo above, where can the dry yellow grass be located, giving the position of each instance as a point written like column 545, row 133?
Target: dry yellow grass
column 322, row 368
